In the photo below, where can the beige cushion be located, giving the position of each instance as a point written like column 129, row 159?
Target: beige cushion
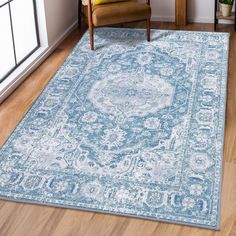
column 121, row 12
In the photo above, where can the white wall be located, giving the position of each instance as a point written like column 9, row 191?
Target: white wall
column 163, row 10
column 60, row 16
column 201, row 11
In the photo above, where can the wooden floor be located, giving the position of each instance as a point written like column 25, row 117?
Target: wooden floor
column 18, row 219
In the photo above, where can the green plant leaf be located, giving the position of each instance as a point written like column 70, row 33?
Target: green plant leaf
column 228, row 2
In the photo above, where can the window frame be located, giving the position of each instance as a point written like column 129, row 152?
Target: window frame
column 17, row 64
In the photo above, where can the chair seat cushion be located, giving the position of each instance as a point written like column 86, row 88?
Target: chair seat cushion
column 121, row 12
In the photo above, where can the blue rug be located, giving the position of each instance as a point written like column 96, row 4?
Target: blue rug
column 133, row 128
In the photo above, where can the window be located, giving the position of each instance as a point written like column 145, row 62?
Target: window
column 18, row 34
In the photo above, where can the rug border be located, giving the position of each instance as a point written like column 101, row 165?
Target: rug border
column 33, row 202
column 222, row 101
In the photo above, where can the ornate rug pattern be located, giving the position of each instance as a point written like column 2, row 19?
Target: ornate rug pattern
column 133, row 128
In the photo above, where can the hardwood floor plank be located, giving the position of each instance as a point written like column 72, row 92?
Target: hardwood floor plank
column 144, row 227
column 33, row 221
column 74, row 223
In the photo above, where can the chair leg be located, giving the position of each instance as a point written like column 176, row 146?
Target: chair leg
column 148, row 23
column 91, row 37
column 90, row 23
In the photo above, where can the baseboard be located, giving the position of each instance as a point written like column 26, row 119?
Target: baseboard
column 11, row 83
column 192, row 19
column 201, row 20
column 163, row 18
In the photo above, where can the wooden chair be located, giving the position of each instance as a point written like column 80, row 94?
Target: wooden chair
column 116, row 13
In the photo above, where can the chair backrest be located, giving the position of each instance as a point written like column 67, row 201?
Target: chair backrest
column 110, row 13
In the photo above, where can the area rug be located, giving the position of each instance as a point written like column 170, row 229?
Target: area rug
column 133, row 128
